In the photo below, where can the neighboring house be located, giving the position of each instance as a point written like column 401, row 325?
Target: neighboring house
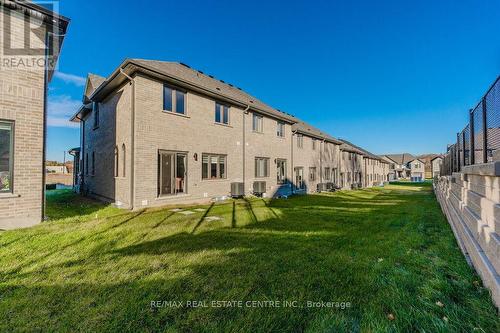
column 351, row 167
column 315, row 158
column 374, row 170
column 391, row 172
column 23, row 109
column 400, row 168
column 427, row 158
column 436, row 164
column 156, row 133
column 417, row 170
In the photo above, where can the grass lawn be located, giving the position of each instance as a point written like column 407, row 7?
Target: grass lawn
column 388, row 252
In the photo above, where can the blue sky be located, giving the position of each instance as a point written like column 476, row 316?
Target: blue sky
column 390, row 76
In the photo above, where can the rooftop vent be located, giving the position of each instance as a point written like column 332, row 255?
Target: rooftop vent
column 217, row 88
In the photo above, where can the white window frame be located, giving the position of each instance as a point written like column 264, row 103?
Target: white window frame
column 218, row 157
column 257, row 123
column 266, row 168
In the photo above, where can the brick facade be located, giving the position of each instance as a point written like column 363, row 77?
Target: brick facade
column 132, row 114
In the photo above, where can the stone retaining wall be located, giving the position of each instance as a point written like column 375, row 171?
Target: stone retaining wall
column 471, row 203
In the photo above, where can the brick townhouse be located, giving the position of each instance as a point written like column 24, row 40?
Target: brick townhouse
column 156, row 133
column 26, row 67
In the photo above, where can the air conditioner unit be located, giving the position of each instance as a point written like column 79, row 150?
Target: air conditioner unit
column 330, row 186
column 259, row 187
column 237, row 190
column 322, row 187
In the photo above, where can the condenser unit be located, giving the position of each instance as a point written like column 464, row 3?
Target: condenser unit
column 237, row 190
column 259, row 187
column 322, row 187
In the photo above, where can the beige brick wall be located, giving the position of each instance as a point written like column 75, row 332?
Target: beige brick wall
column 22, row 102
column 308, row 158
column 350, row 168
column 113, row 132
column 195, row 133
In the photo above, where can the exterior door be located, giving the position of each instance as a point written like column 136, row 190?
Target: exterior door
column 299, row 177
column 281, row 171
column 172, row 173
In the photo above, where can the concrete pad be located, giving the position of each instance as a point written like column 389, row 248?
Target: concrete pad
column 187, row 212
column 175, row 210
column 199, row 210
column 212, row 218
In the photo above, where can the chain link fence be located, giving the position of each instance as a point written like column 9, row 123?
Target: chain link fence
column 478, row 141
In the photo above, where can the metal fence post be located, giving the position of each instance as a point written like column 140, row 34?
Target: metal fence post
column 463, row 148
column 485, row 133
column 458, row 152
column 472, row 153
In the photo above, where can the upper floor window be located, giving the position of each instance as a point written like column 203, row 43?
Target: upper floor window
column 261, row 167
column 257, row 123
column 95, row 106
column 300, row 141
column 314, row 144
column 6, row 155
column 280, row 129
column 221, row 113
column 213, row 166
column 174, row 100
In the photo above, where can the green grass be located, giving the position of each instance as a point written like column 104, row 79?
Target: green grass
column 386, row 251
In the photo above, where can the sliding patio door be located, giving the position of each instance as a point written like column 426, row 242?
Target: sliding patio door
column 172, row 171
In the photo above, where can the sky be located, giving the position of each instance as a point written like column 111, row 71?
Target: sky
column 389, row 76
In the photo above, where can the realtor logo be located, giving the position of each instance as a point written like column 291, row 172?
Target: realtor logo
column 29, row 39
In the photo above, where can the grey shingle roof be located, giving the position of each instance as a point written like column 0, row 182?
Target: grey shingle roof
column 198, row 78
column 305, row 128
column 401, row 158
column 362, row 151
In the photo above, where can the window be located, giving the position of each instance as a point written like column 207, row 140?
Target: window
column 281, row 171
column 6, row 155
column 86, row 163
column 280, row 131
column 213, row 166
column 116, row 162
column 124, row 160
column 314, row 144
column 93, row 163
column 312, row 174
column 261, row 167
column 327, row 173
column 95, row 105
column 257, row 123
column 174, row 100
column 300, row 141
column 221, row 114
